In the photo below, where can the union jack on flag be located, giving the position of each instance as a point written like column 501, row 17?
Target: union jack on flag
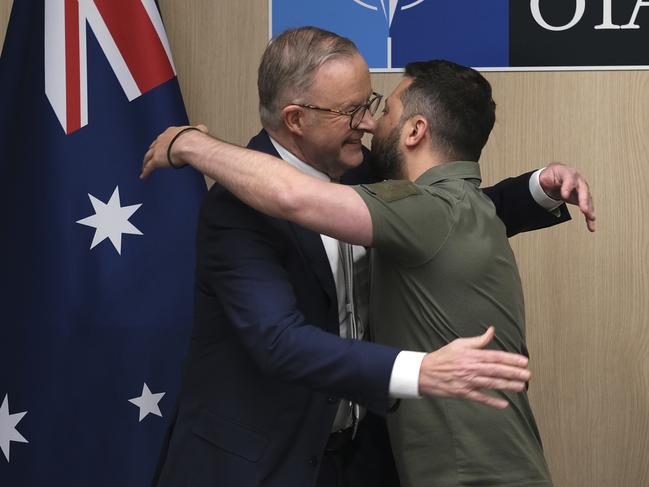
column 97, row 269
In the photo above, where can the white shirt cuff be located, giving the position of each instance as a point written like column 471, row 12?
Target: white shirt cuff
column 404, row 381
column 539, row 195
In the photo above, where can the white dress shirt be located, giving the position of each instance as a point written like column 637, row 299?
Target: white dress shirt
column 404, row 381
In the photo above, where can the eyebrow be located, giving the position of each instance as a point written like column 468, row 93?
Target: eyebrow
column 352, row 105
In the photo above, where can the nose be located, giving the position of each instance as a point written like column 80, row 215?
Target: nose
column 368, row 124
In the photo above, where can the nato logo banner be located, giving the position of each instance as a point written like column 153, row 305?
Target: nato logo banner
column 97, row 269
column 487, row 34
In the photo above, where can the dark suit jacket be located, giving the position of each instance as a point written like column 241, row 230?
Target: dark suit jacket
column 266, row 366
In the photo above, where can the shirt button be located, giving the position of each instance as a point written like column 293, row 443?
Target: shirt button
column 313, row 461
column 332, row 400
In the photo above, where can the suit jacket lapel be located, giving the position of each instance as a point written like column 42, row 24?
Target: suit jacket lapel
column 314, row 252
column 309, row 242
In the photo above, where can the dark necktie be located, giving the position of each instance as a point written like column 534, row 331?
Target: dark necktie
column 353, row 331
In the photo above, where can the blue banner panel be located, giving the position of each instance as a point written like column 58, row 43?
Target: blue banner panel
column 97, row 266
column 367, row 28
column 470, row 32
column 488, row 34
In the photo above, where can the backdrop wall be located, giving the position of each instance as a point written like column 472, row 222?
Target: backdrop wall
column 587, row 295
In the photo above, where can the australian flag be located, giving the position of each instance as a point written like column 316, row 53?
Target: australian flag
column 97, row 266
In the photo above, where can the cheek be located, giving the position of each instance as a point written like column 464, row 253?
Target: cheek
column 352, row 154
column 382, row 126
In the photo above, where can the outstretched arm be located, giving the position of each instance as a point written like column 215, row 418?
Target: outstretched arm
column 267, row 184
column 462, row 369
column 536, row 200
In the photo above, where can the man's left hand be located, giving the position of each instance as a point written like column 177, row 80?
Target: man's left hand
column 567, row 184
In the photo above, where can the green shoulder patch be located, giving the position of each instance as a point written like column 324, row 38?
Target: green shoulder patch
column 393, row 190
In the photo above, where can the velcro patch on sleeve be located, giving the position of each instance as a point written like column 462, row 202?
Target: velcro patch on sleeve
column 392, row 190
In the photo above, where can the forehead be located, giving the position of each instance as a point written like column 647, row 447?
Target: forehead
column 342, row 80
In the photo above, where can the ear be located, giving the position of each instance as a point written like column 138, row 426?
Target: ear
column 293, row 118
column 416, row 131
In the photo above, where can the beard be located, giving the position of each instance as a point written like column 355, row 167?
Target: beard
column 387, row 158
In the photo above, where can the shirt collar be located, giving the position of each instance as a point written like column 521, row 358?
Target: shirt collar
column 451, row 170
column 298, row 164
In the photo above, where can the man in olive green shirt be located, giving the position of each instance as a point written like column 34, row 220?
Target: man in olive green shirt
column 442, row 267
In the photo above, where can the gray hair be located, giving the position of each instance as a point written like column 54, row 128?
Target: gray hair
column 288, row 68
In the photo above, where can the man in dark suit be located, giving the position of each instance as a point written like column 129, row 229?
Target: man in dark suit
column 270, row 388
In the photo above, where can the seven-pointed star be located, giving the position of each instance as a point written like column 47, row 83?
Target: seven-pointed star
column 8, row 431
column 111, row 220
column 147, row 402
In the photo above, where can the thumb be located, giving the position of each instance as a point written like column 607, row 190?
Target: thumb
column 481, row 341
column 202, row 128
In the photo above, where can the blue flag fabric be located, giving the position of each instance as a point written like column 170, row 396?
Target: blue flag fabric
column 97, row 266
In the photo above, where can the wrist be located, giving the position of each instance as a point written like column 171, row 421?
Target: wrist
column 178, row 146
column 540, row 194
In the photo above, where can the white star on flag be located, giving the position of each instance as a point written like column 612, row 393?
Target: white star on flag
column 111, row 220
column 8, row 431
column 147, row 402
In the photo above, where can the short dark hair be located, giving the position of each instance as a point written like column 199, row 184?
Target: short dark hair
column 456, row 101
column 289, row 65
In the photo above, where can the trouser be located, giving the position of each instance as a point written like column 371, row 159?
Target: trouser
column 365, row 461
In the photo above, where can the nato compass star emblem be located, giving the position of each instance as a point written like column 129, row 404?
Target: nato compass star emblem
column 389, row 8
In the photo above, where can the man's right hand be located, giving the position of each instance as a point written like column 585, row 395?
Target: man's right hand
column 157, row 156
column 564, row 183
column 462, row 370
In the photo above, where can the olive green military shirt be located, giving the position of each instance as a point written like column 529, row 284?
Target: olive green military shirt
column 442, row 268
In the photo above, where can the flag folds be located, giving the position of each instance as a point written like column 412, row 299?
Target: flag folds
column 97, row 266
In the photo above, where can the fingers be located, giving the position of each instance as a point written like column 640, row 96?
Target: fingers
column 575, row 190
column 586, row 204
column 484, row 358
column 498, row 384
column 567, row 188
column 500, row 365
column 474, row 387
column 590, row 223
column 494, row 402
column 146, row 166
column 145, row 172
column 472, row 347
column 585, row 200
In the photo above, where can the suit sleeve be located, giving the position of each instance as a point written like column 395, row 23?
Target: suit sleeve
column 242, row 259
column 518, row 210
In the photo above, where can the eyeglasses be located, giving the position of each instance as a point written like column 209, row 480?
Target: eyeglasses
column 356, row 115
